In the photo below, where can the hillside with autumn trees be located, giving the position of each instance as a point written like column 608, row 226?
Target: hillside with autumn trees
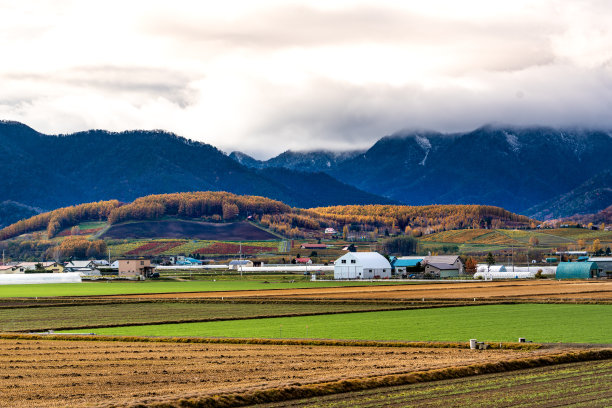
column 214, row 206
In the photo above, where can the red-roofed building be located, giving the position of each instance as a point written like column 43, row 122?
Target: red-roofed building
column 303, row 260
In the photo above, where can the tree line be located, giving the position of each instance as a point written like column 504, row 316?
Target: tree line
column 55, row 221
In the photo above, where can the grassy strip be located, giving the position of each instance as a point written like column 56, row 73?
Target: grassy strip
column 57, row 320
column 352, row 385
column 135, row 288
column 564, row 324
column 281, row 342
column 213, row 319
column 254, row 317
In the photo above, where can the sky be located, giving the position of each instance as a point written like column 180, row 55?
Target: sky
column 264, row 76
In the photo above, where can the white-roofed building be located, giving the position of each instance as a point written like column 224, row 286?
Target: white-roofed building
column 362, row 265
column 513, row 272
column 484, row 268
column 237, row 264
column 604, row 263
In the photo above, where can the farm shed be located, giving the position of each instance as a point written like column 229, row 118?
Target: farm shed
column 604, row 263
column 484, row 268
column 504, row 275
column 577, row 270
column 401, row 264
column 443, row 270
column 239, row 264
column 313, row 246
column 546, row 270
column 362, row 265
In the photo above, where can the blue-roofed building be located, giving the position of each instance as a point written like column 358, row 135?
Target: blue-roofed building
column 577, row 270
column 405, row 264
column 188, row 261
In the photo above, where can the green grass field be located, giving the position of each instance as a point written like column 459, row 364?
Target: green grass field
column 128, row 288
column 536, row 322
column 568, row 385
column 54, row 318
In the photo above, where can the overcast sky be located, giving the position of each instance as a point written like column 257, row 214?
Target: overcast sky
column 266, row 76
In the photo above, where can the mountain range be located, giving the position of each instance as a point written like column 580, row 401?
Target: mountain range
column 53, row 171
column 511, row 167
column 526, row 170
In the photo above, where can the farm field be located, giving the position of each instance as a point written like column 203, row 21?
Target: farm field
column 83, row 316
column 144, row 287
column 190, row 229
column 505, row 290
column 477, row 240
column 50, row 373
column 541, row 323
column 577, row 385
column 190, row 247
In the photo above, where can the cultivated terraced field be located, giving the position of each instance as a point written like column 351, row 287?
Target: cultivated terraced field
column 578, row 385
column 191, row 229
column 49, row 373
column 191, row 247
column 473, row 240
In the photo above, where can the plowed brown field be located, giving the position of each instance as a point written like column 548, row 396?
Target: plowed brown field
column 49, row 373
column 521, row 289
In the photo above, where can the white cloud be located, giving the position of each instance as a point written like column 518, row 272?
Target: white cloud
column 264, row 76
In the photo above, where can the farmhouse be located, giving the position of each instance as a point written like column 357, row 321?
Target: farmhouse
column 240, row 263
column 452, row 260
column 135, row 268
column 303, row 261
column 442, row 270
column 31, row 266
column 86, row 268
column 362, row 265
column 604, row 263
column 6, row 269
column 577, row 270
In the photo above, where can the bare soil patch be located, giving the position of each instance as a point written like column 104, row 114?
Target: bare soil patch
column 188, row 229
column 55, row 373
column 481, row 290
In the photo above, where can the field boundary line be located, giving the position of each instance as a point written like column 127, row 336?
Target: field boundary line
column 264, row 341
column 299, row 391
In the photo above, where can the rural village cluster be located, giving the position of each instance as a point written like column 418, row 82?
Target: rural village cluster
column 353, row 265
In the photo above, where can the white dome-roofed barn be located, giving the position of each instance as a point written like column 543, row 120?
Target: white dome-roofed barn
column 362, row 265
